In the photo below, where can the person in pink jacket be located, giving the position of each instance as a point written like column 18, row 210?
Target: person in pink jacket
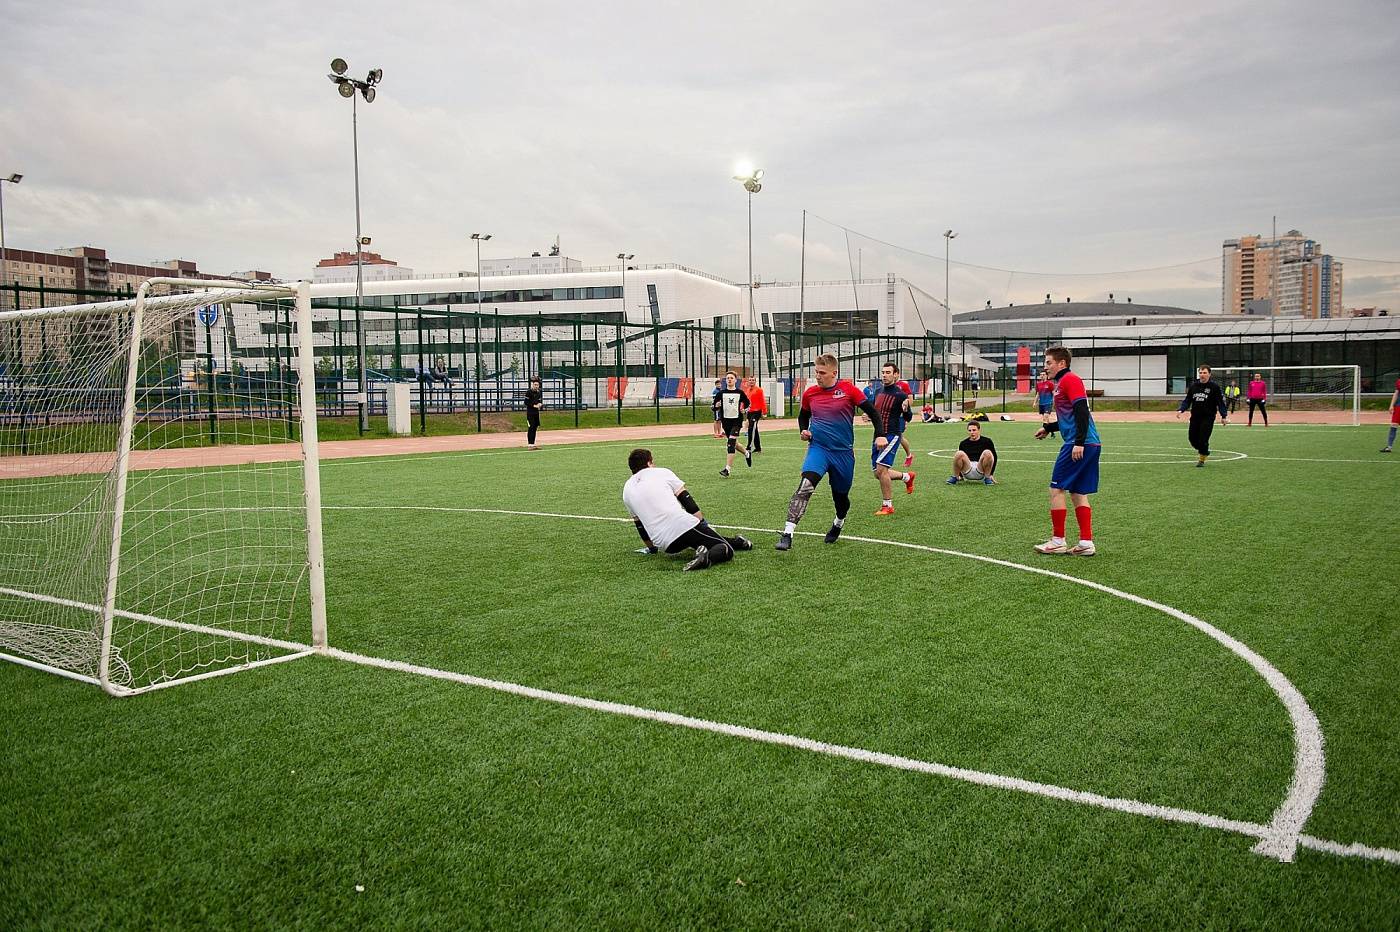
column 1257, row 395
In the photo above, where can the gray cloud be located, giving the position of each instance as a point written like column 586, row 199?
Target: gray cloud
column 1060, row 137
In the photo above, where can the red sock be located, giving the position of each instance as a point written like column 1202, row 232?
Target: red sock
column 1081, row 514
column 1057, row 521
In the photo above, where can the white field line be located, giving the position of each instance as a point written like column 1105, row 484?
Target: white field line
column 1181, row 461
column 1279, row 839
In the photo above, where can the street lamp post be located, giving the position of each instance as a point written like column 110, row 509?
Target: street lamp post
column 948, row 238
column 4, row 263
column 480, row 293
column 750, row 177
column 625, row 257
column 347, row 88
column 621, row 343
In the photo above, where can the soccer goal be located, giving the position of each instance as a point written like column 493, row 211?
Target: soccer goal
column 1332, row 389
column 159, row 522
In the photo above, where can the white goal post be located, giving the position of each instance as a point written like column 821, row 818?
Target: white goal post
column 157, row 526
column 1334, row 389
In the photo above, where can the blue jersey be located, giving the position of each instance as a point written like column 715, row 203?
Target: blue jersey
column 1069, row 388
column 833, row 414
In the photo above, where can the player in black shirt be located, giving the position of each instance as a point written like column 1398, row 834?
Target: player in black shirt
column 731, row 404
column 1205, row 399
column 976, row 457
column 534, row 404
column 892, row 401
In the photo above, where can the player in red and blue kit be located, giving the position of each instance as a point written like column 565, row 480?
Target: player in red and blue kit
column 827, row 422
column 1077, row 467
column 1045, row 401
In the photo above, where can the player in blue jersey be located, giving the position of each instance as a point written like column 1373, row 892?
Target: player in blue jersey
column 1077, row 467
column 892, row 401
column 827, row 422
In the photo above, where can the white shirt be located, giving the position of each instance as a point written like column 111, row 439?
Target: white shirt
column 650, row 495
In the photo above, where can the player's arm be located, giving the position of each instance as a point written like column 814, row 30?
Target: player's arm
column 868, row 407
column 1224, row 411
column 804, row 420
column 744, row 403
column 646, row 538
column 688, row 503
column 1185, row 401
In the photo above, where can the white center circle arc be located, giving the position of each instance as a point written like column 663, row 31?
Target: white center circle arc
column 1279, row 838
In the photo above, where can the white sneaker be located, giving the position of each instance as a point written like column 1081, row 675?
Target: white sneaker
column 1085, row 548
column 1053, row 545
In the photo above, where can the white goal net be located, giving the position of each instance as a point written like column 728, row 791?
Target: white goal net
column 1332, row 390
column 157, row 523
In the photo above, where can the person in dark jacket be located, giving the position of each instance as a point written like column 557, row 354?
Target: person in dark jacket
column 1205, row 399
column 534, row 404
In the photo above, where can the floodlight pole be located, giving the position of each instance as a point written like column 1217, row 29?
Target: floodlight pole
column 4, row 260
column 948, row 238
column 360, row 354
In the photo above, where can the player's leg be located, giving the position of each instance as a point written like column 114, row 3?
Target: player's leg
column 841, row 473
column 908, row 451
column 1059, row 477
column 1203, row 431
column 1083, row 515
column 960, row 466
column 984, row 465
column 880, row 462
column 1264, row 411
column 731, row 442
column 1394, row 426
column 812, row 469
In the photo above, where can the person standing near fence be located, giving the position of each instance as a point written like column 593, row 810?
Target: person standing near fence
column 1205, row 399
column 1394, row 418
column 758, row 410
column 1045, row 401
column 1256, row 396
column 1232, row 395
column 534, row 404
column 714, row 396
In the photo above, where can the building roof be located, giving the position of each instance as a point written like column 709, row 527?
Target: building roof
column 1071, row 309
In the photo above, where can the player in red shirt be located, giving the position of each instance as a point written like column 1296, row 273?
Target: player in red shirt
column 903, row 440
column 827, row 422
column 1394, row 417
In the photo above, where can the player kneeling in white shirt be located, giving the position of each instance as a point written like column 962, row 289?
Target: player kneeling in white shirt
column 667, row 517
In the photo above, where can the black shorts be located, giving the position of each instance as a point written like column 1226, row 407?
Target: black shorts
column 732, row 428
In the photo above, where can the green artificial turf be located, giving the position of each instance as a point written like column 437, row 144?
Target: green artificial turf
column 262, row 799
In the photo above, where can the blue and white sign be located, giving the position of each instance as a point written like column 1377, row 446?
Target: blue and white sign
column 209, row 314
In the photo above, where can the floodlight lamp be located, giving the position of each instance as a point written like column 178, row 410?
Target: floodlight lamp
column 364, row 240
column 14, row 179
column 481, row 236
column 375, row 76
column 346, row 88
column 742, row 171
column 625, row 256
column 758, row 173
column 339, row 66
column 367, row 93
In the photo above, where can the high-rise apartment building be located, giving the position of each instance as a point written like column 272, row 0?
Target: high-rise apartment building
column 1288, row 274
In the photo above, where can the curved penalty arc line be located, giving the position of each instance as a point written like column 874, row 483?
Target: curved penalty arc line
column 1280, row 838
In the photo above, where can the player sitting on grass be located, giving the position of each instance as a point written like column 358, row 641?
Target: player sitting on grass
column 976, row 457
column 892, row 401
column 827, row 422
column 667, row 517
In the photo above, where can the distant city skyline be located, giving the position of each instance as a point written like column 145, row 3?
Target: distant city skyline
column 1061, row 143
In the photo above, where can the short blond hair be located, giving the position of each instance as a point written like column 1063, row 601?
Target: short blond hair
column 828, row 360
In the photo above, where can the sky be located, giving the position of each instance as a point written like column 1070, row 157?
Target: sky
column 1069, row 145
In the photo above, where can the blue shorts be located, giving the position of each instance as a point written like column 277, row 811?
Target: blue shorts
column 884, row 457
column 840, row 465
column 1080, row 477
column 1047, row 408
